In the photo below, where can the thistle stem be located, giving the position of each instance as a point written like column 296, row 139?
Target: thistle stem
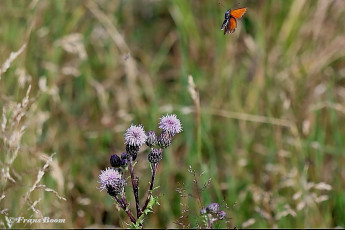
column 135, row 187
column 210, row 221
column 154, row 170
column 123, row 203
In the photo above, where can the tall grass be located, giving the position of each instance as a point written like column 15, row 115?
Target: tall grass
column 266, row 124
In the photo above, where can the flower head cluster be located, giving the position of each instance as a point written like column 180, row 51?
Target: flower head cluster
column 135, row 136
column 170, row 124
column 111, row 180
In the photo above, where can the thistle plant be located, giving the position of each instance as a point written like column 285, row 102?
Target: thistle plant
column 112, row 179
column 212, row 213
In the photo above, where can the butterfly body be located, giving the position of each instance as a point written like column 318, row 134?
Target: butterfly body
column 230, row 19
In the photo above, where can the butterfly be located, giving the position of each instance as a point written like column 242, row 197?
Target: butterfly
column 230, row 19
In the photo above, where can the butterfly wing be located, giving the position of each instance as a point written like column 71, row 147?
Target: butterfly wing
column 238, row 13
column 232, row 25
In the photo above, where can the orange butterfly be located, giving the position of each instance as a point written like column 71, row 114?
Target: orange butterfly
column 230, row 19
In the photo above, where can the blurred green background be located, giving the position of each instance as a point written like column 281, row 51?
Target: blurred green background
column 264, row 120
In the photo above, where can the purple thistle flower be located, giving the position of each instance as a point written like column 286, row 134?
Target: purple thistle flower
column 170, row 124
column 213, row 208
column 111, row 180
column 135, row 135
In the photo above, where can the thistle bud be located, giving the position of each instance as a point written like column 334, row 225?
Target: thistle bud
column 124, row 160
column 164, row 139
column 155, row 155
column 115, row 161
column 132, row 150
column 151, row 140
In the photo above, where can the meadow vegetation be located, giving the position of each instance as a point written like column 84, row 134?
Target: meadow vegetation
column 262, row 109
